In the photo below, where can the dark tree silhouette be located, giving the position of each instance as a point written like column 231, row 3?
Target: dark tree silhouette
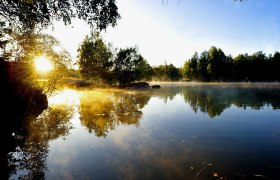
column 130, row 66
column 214, row 65
column 28, row 14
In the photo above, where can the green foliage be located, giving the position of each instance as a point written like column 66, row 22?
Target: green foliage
column 24, row 48
column 190, row 70
column 143, row 70
column 130, row 66
column 21, row 20
column 96, row 63
column 214, row 65
column 27, row 46
column 28, row 14
column 166, row 73
column 202, row 66
column 95, row 59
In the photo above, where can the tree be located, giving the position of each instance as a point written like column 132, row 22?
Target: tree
column 202, row 66
column 190, row 67
column 20, row 21
column 24, row 18
column 23, row 51
column 159, row 73
column 242, row 67
column 276, row 66
column 22, row 47
column 259, row 63
column 29, row 14
column 94, row 58
column 216, row 64
column 173, row 73
column 167, row 72
column 143, row 70
column 130, row 66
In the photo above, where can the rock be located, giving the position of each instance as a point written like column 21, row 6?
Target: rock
column 155, row 86
column 138, row 85
column 18, row 96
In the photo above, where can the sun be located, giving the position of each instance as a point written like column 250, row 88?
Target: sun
column 43, row 64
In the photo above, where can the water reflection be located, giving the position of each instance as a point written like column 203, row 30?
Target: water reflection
column 160, row 150
column 214, row 99
column 101, row 111
column 24, row 157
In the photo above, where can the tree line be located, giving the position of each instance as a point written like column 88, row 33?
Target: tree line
column 214, row 65
column 101, row 64
column 21, row 22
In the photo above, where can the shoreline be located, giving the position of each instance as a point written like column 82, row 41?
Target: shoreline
column 196, row 83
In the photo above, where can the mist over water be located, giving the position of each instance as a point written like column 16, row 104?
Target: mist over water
column 181, row 131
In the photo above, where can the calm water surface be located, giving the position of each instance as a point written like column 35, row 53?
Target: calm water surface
column 191, row 131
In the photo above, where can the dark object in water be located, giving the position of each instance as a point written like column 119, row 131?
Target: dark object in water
column 155, row 86
column 138, row 85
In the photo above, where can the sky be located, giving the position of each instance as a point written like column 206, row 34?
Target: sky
column 171, row 32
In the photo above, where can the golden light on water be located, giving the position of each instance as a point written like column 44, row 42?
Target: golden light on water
column 65, row 97
column 43, row 64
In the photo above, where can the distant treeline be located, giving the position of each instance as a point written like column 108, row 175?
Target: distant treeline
column 214, row 65
column 100, row 64
column 167, row 72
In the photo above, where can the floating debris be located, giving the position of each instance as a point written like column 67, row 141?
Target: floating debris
column 259, row 175
column 203, row 168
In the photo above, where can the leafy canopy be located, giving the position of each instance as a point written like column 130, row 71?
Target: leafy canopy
column 130, row 66
column 29, row 13
column 95, row 58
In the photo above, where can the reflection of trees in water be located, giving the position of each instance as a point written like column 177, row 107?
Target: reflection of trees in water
column 257, row 98
column 200, row 98
column 208, row 100
column 166, row 93
column 54, row 122
column 215, row 99
column 25, row 154
column 101, row 111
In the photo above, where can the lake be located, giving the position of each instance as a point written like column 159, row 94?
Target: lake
column 180, row 131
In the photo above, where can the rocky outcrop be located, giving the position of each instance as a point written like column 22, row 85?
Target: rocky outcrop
column 19, row 96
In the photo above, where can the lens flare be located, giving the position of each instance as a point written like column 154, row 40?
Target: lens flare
column 43, row 64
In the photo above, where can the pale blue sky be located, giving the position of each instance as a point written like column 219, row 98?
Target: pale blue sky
column 172, row 32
